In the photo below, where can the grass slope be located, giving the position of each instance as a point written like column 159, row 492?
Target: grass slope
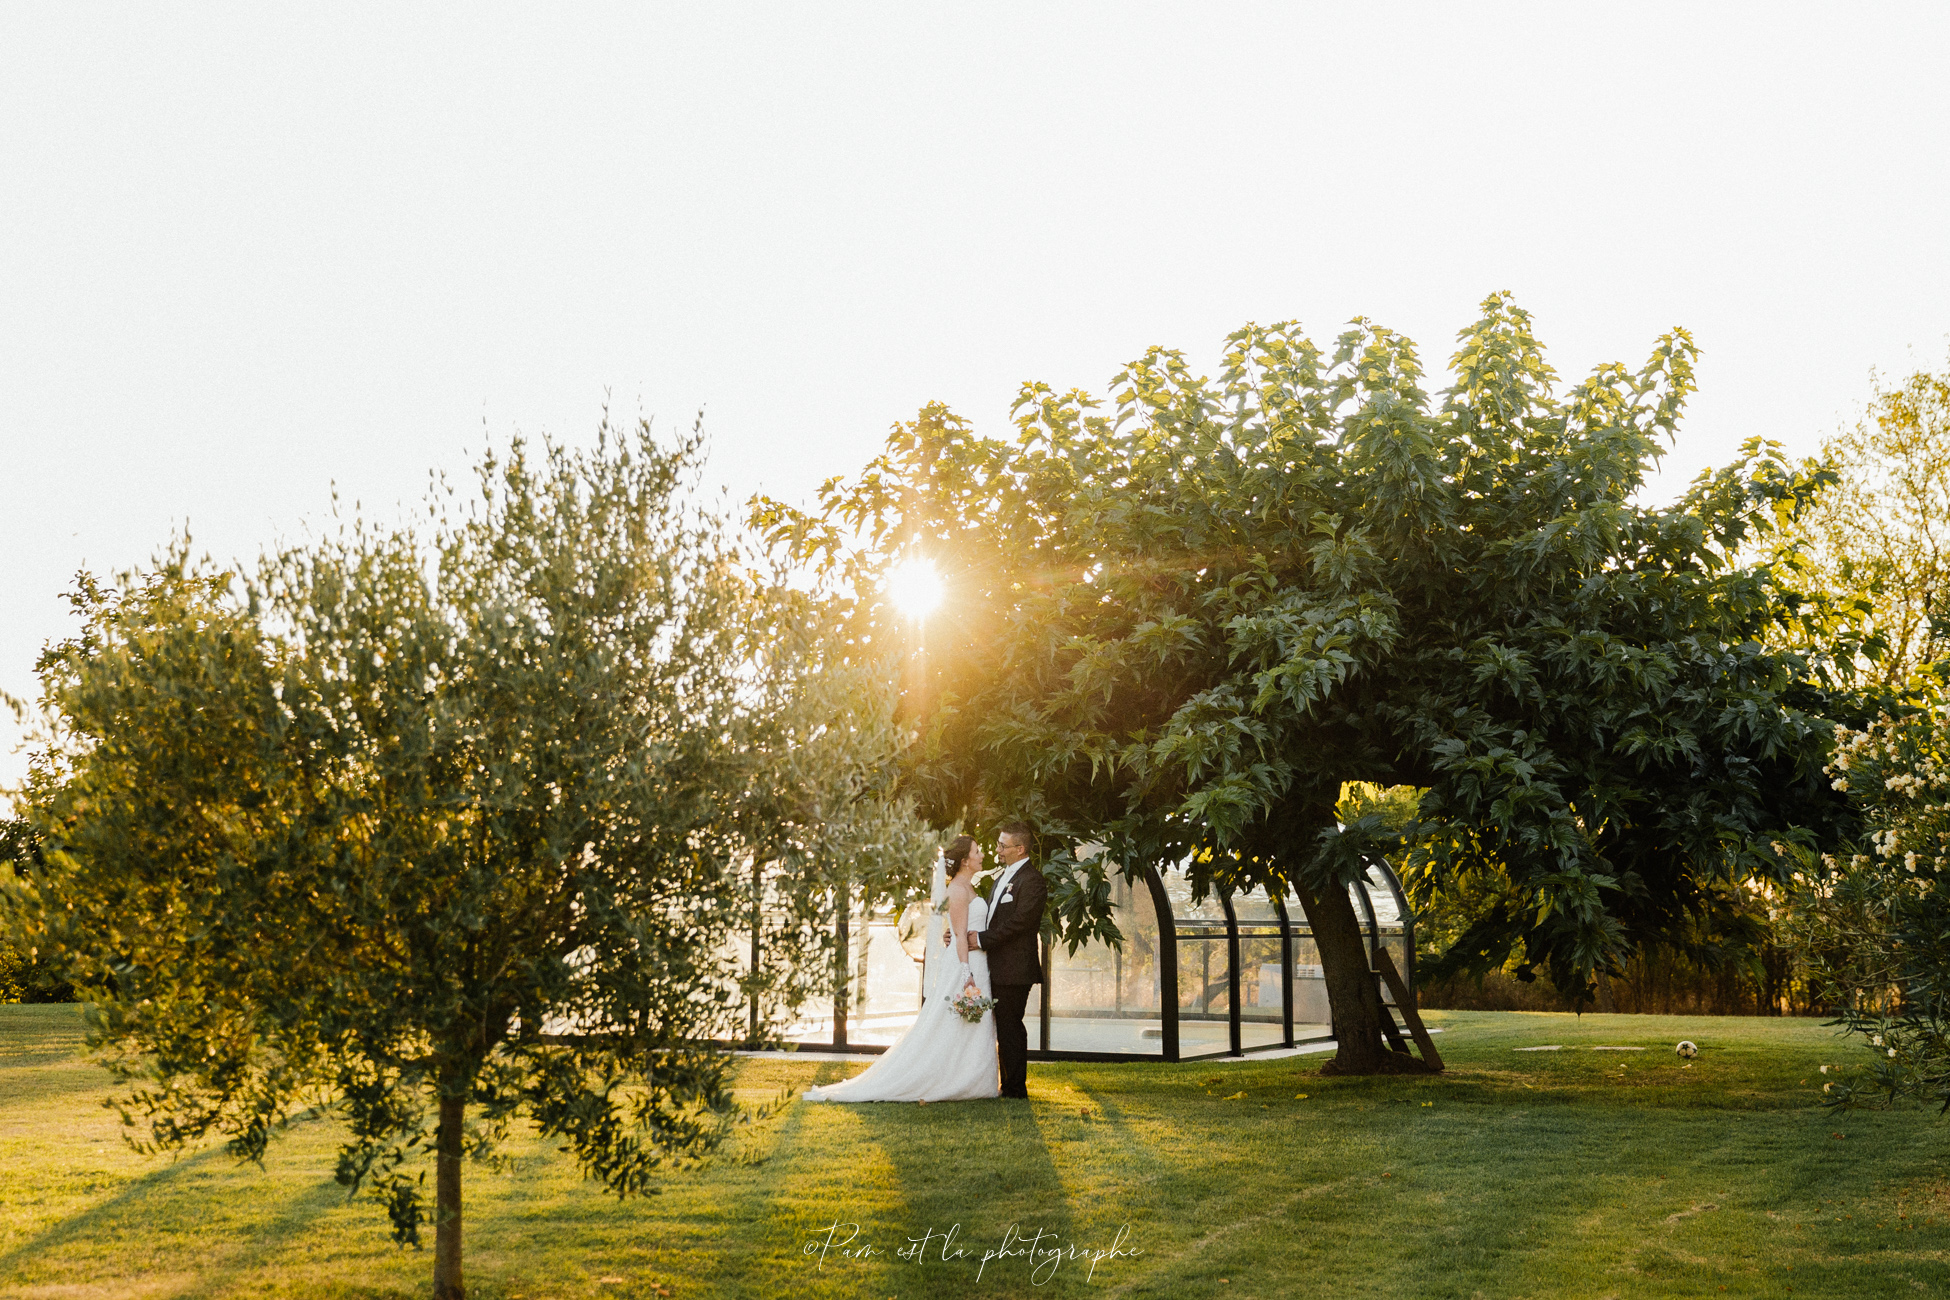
column 1542, row 1174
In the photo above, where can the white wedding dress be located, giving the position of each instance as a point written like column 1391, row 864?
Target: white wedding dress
column 941, row 1057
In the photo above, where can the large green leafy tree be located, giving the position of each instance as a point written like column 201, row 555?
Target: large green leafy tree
column 1179, row 627
column 443, row 825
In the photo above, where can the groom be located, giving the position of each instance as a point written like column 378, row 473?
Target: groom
column 1013, row 943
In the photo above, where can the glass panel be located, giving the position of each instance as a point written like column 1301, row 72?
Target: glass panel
column 1204, row 996
column 1105, row 999
column 734, row 964
column 1192, row 919
column 1386, row 910
column 1397, row 945
column 1261, row 1019
column 1311, row 1017
column 1261, row 1023
column 1258, row 1033
column 883, row 988
column 814, row 1027
column 1357, row 900
column 887, row 985
column 1296, row 915
column 1255, row 908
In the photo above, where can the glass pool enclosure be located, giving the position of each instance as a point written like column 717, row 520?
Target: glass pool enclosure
column 1229, row 975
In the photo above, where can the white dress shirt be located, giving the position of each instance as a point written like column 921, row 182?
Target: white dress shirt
column 1002, row 886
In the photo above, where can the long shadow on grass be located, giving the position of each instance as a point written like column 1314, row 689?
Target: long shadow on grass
column 50, row 1080
column 1199, row 1206
column 770, row 1225
column 271, row 1240
column 982, row 1169
column 102, row 1214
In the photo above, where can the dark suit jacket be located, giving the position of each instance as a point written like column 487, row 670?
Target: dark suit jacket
column 1013, row 936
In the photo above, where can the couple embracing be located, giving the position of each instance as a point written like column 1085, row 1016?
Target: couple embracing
column 988, row 949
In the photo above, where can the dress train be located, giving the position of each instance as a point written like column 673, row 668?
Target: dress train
column 941, row 1057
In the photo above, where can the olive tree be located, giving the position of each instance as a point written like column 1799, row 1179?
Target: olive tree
column 441, row 825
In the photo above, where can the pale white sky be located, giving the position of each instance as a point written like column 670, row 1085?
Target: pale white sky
column 248, row 251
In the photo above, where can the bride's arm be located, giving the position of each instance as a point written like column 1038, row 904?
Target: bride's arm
column 958, row 920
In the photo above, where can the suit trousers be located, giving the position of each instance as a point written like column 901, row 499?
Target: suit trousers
column 1012, row 1038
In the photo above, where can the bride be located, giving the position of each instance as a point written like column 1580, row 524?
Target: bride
column 941, row 1057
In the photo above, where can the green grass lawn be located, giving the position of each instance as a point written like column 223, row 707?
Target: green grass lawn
column 1542, row 1174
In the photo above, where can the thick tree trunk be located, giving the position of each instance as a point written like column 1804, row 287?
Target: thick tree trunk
column 1352, row 997
column 446, row 1182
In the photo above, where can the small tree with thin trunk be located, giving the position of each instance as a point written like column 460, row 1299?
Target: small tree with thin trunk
column 1180, row 627
column 438, row 827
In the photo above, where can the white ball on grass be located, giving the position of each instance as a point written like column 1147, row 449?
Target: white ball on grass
column 1687, row 1049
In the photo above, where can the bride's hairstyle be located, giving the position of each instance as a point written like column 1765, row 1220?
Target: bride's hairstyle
column 957, row 853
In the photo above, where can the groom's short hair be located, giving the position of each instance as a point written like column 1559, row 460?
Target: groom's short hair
column 1020, row 830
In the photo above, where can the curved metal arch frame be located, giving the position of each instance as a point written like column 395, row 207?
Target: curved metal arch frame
column 1291, row 928
column 1402, row 909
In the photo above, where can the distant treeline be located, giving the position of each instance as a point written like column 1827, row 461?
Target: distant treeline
column 1652, row 984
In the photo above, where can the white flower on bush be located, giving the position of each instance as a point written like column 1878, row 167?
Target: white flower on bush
column 1892, row 773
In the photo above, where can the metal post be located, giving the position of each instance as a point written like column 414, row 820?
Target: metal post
column 1374, row 926
column 1232, row 972
column 1167, row 964
column 1044, row 1001
column 1286, row 971
column 758, row 918
column 1117, row 883
column 843, row 965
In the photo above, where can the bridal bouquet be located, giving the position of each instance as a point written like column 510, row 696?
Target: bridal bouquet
column 972, row 1006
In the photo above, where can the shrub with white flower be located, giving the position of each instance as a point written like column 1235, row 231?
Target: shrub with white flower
column 1874, row 926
